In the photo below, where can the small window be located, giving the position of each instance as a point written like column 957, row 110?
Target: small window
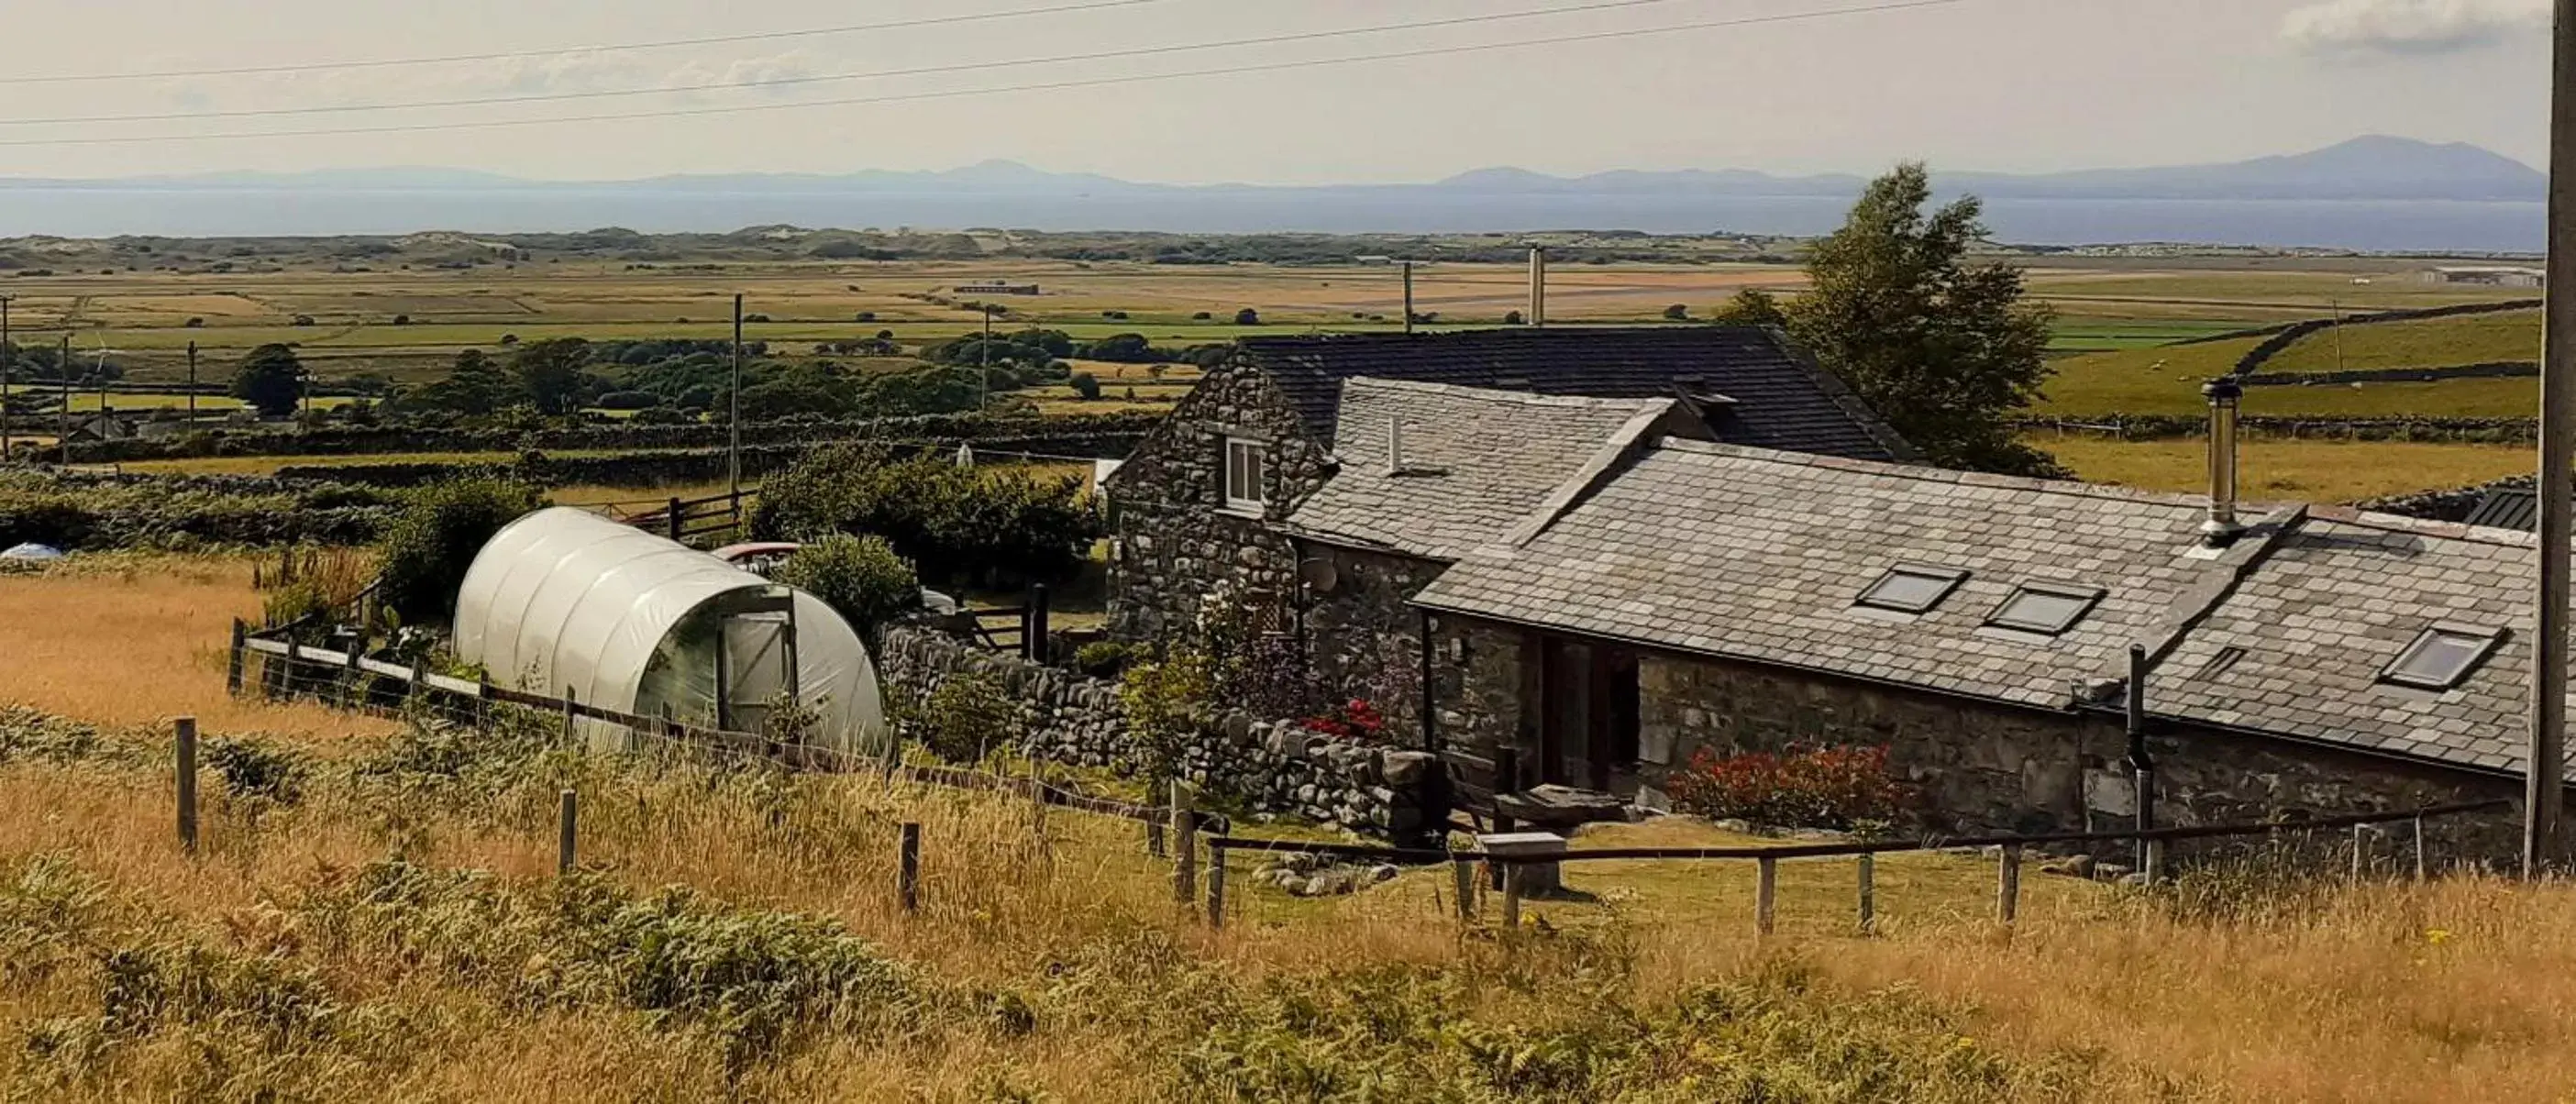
column 2044, row 607
column 1909, row 589
column 2441, row 657
column 1242, row 474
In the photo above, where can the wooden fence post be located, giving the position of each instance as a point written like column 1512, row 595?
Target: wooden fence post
column 1185, row 853
column 1033, row 625
column 567, row 831
column 2155, row 861
column 1216, row 885
column 1766, row 888
column 2419, row 847
column 1462, row 876
column 2360, row 851
column 187, row 733
column 1511, row 872
column 353, row 694
column 233, row 660
column 671, row 519
column 1154, row 825
column 2008, row 884
column 567, row 716
column 907, row 874
column 1868, row 893
column 1037, row 802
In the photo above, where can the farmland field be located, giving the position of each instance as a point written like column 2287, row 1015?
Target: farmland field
column 2313, row 471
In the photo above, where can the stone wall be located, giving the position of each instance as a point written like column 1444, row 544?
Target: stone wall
column 1364, row 639
column 1975, row 765
column 1267, row 766
column 1175, row 542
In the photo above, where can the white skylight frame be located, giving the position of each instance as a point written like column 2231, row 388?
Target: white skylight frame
column 2470, row 644
column 2014, row 613
column 1881, row 593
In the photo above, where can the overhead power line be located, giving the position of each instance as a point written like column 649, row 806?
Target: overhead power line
column 835, row 78
column 1043, row 86
column 453, row 59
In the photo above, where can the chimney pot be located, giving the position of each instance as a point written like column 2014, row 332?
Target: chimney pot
column 2222, row 528
column 1394, row 445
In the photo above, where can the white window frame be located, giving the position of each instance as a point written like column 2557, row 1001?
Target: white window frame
column 1242, row 483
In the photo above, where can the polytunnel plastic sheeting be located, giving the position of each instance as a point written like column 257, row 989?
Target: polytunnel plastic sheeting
column 565, row 600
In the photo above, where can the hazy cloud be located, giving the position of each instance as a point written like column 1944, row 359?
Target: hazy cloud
column 2410, row 26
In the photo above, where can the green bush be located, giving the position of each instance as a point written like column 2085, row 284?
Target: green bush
column 1101, row 658
column 859, row 576
column 966, row 718
column 957, row 524
column 433, row 541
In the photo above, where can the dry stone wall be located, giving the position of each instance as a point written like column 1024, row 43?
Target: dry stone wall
column 1274, row 767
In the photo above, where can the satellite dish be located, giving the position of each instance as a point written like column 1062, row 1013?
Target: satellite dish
column 1319, row 575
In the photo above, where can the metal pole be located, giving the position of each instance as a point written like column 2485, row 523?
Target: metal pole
column 4, row 378
column 984, row 355
column 63, row 431
column 733, row 418
column 192, row 385
column 2142, row 766
column 2543, row 781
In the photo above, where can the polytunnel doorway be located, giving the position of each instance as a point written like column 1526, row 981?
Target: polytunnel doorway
column 728, row 664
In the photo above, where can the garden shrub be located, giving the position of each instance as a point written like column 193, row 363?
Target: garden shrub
column 1827, row 787
column 1101, row 658
column 957, row 524
column 966, row 718
column 433, row 541
column 861, row 577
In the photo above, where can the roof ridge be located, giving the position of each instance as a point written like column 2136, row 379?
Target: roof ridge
column 1495, row 394
column 1929, row 474
column 2428, row 527
column 1596, row 468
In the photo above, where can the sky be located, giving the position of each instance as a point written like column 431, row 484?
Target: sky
column 2001, row 85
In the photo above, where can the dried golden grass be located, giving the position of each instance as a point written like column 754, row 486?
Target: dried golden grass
column 138, row 640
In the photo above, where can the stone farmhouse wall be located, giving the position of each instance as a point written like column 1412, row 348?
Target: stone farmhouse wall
column 1268, row 766
column 1974, row 765
column 1363, row 637
column 1176, row 542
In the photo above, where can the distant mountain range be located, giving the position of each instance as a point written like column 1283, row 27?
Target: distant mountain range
column 2375, row 192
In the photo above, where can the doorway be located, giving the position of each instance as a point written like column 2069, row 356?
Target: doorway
column 1587, row 713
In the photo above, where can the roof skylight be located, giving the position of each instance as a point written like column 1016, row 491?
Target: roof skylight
column 1910, row 589
column 2050, row 608
column 2441, row 656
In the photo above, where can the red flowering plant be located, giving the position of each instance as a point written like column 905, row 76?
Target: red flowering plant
column 1355, row 719
column 1825, row 787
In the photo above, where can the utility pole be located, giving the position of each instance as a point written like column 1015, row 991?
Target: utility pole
column 2544, row 777
column 733, row 415
column 192, row 385
column 1408, row 296
column 2336, row 305
column 63, row 423
column 4, row 377
column 984, row 353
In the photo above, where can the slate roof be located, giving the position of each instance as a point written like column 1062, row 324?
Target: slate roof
column 2331, row 606
column 1781, row 399
column 1756, row 554
column 1476, row 462
column 2507, row 508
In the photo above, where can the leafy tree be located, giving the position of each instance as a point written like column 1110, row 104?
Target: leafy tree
column 428, row 547
column 861, row 577
column 271, row 380
column 1511, row 318
column 1247, row 317
column 1086, row 385
column 957, row 523
column 1751, row 307
column 551, row 373
column 1678, row 312
column 1943, row 348
column 475, row 386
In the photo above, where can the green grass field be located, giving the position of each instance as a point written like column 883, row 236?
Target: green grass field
column 2431, row 342
column 2312, row 471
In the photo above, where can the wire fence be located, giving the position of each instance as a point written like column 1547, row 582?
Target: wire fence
column 264, row 664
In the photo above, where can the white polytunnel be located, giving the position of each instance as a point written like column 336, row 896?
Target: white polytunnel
column 563, row 600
